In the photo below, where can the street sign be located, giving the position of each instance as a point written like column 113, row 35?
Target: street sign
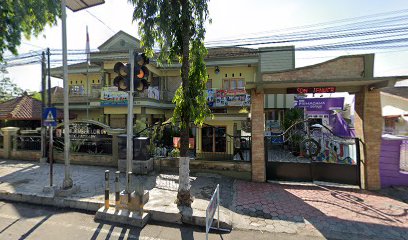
column 50, row 117
column 213, row 205
column 304, row 90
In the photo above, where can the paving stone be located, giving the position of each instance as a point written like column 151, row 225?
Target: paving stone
column 311, row 210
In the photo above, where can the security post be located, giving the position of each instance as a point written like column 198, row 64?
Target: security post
column 139, row 192
column 106, row 189
column 117, row 198
column 129, row 183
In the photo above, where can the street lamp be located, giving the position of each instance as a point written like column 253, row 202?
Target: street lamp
column 74, row 5
column 77, row 5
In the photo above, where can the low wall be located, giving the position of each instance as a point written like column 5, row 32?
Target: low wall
column 87, row 159
column 76, row 158
column 239, row 170
column 26, row 155
column 390, row 172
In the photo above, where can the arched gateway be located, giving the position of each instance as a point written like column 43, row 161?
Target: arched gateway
column 352, row 74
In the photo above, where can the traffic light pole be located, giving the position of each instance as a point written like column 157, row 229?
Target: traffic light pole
column 51, row 133
column 129, row 144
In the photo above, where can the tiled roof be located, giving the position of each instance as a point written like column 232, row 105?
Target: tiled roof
column 226, row 52
column 397, row 91
column 23, row 108
column 81, row 65
column 213, row 53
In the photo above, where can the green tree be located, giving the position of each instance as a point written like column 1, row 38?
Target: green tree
column 177, row 28
column 24, row 17
column 8, row 89
column 36, row 95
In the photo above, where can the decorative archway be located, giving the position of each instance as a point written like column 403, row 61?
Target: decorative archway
column 353, row 74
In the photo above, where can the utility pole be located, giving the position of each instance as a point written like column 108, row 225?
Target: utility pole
column 49, row 77
column 67, row 183
column 43, row 128
column 51, row 132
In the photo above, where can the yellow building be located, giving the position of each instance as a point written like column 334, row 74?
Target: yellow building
column 229, row 70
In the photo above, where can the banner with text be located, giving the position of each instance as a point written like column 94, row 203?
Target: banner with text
column 319, row 104
column 232, row 98
column 110, row 96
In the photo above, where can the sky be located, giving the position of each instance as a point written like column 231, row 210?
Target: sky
column 230, row 19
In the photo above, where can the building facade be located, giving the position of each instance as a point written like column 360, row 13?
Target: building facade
column 93, row 96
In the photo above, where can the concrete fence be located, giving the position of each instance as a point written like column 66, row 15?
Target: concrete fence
column 13, row 149
column 10, row 150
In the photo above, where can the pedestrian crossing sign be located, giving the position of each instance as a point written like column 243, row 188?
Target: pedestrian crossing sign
column 50, row 117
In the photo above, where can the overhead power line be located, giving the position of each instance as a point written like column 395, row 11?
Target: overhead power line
column 383, row 31
column 100, row 21
column 331, row 26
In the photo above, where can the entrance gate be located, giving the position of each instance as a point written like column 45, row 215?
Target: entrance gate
column 312, row 153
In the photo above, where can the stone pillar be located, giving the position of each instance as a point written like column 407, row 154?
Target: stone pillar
column 358, row 126
column 258, row 129
column 8, row 135
column 369, row 129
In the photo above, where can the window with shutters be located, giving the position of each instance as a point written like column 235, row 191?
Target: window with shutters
column 234, row 83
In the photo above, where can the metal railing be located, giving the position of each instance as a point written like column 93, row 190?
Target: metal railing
column 32, row 143
column 316, row 143
column 78, row 97
column 160, row 95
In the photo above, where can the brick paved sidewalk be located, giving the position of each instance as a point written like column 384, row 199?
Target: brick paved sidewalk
column 313, row 211
column 24, row 181
column 320, row 211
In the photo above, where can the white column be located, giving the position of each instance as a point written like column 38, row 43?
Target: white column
column 67, row 183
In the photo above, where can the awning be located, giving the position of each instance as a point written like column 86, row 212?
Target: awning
column 76, row 5
column 393, row 111
column 350, row 85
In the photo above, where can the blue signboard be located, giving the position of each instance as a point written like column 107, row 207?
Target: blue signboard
column 320, row 104
column 50, row 117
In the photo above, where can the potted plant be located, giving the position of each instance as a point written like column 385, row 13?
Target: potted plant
column 292, row 124
column 295, row 142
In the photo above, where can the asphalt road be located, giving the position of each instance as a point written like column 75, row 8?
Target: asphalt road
column 24, row 221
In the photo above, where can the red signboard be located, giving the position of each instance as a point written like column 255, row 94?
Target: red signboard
column 304, row 90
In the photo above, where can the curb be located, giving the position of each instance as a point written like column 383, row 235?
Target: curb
column 51, row 201
column 164, row 214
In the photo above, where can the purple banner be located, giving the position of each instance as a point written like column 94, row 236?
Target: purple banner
column 320, row 104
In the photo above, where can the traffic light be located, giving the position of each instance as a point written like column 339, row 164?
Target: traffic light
column 123, row 79
column 141, row 74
